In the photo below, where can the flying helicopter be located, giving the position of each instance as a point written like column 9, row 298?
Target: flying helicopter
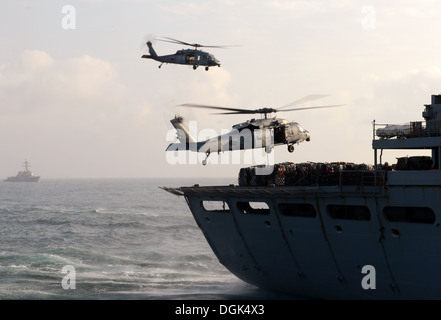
column 266, row 132
column 193, row 57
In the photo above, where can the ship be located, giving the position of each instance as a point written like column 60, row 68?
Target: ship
column 24, row 176
column 335, row 230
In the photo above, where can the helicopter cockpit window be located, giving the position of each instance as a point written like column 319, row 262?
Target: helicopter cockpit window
column 298, row 126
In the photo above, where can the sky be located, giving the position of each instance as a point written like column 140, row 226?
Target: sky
column 77, row 100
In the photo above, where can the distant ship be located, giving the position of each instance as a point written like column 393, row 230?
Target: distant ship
column 335, row 230
column 24, row 176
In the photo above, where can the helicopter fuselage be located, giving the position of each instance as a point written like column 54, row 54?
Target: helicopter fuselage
column 262, row 133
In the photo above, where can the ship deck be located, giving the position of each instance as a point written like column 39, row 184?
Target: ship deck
column 273, row 191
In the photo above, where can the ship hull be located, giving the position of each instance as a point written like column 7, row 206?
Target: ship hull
column 19, row 179
column 327, row 242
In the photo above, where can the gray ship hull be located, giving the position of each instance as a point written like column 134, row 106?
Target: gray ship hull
column 314, row 252
column 23, row 179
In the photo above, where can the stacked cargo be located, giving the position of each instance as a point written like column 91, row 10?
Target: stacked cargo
column 304, row 174
column 414, row 163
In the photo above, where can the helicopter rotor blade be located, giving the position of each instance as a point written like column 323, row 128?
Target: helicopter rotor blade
column 239, row 112
column 234, row 110
column 261, row 111
column 308, row 108
column 196, row 45
column 171, row 40
column 221, row 47
column 305, row 99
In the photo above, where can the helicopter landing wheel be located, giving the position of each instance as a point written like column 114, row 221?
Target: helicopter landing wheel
column 207, row 154
column 206, row 68
column 194, row 67
column 291, row 148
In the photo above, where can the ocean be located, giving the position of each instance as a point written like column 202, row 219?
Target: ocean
column 107, row 239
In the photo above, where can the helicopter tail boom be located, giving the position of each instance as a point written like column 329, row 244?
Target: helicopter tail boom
column 182, row 132
column 152, row 51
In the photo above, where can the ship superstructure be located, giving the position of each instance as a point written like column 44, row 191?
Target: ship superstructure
column 24, row 176
column 335, row 230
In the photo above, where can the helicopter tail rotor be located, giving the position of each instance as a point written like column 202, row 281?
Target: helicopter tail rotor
column 146, row 39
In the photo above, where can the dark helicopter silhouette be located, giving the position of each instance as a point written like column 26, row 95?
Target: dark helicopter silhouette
column 193, row 57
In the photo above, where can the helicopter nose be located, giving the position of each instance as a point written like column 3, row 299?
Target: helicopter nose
column 306, row 135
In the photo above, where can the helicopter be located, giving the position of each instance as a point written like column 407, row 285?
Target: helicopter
column 266, row 132
column 193, row 57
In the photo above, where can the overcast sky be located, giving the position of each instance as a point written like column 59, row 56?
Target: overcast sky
column 77, row 100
